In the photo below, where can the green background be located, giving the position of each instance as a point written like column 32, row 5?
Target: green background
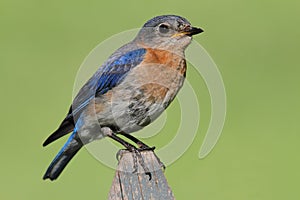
column 255, row 45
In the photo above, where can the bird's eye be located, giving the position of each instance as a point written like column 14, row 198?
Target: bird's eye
column 163, row 28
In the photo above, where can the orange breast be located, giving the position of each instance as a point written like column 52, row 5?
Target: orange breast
column 165, row 58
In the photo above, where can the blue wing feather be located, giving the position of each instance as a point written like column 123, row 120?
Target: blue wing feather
column 115, row 72
column 107, row 77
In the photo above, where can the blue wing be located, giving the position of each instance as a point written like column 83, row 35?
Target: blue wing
column 107, row 77
column 115, row 72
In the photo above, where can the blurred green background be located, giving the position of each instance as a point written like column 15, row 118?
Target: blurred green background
column 255, row 45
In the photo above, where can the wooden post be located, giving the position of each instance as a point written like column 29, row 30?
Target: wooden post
column 135, row 186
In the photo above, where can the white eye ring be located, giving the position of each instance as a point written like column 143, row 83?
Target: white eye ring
column 163, row 28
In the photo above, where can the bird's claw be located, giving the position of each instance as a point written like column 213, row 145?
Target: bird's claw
column 137, row 157
column 146, row 148
column 119, row 154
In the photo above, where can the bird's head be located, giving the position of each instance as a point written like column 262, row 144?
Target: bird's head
column 167, row 32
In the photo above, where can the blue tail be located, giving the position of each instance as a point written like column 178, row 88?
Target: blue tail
column 61, row 160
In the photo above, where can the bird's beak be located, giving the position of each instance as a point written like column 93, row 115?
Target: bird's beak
column 189, row 32
column 193, row 31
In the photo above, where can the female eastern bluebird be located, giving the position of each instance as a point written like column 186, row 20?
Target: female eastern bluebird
column 130, row 90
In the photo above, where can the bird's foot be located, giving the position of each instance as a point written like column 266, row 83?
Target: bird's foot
column 144, row 147
column 120, row 154
column 137, row 157
column 147, row 148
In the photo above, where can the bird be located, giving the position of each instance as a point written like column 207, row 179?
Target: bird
column 128, row 91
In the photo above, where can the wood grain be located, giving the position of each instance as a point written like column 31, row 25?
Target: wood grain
column 135, row 186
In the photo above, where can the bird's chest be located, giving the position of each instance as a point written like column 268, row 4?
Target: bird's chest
column 147, row 90
column 151, row 87
column 159, row 76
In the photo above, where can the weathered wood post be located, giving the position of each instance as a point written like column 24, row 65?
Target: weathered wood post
column 135, row 186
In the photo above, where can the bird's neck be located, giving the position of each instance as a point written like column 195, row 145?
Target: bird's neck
column 165, row 58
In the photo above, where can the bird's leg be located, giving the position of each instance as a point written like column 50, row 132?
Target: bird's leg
column 143, row 147
column 136, row 154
